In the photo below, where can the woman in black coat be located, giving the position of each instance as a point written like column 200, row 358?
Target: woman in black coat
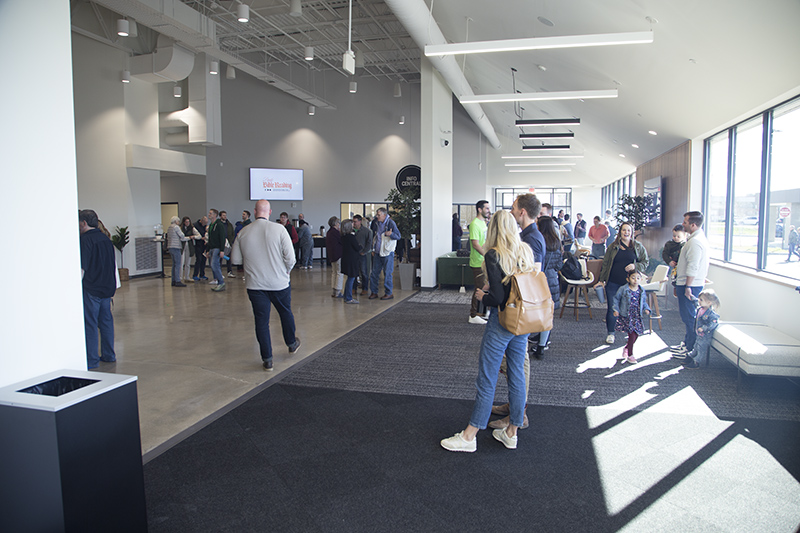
column 351, row 252
column 550, row 267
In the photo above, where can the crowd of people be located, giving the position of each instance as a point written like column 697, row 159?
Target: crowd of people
column 525, row 239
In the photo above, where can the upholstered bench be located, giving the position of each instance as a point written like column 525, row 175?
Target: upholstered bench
column 757, row 349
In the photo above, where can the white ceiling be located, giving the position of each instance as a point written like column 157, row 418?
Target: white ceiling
column 711, row 61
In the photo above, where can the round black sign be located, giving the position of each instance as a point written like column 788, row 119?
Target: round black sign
column 408, row 177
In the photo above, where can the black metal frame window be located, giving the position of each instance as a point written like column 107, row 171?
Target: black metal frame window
column 612, row 192
column 751, row 196
column 558, row 197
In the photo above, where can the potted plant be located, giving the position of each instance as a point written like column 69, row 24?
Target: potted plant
column 637, row 211
column 404, row 208
column 120, row 239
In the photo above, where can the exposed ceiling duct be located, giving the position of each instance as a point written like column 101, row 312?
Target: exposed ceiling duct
column 419, row 22
column 169, row 62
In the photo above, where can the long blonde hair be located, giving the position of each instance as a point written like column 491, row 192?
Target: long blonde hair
column 512, row 254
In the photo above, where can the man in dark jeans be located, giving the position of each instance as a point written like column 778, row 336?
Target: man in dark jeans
column 200, row 250
column 266, row 251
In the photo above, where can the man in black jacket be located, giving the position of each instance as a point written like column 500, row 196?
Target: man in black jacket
column 98, row 273
column 200, row 250
column 217, row 233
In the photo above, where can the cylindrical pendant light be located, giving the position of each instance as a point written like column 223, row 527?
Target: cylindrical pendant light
column 126, row 76
column 309, row 53
column 176, row 91
column 230, row 73
column 243, row 11
column 353, row 86
column 398, row 91
column 295, row 9
column 123, row 27
column 402, row 120
column 312, row 110
column 359, row 59
column 214, row 67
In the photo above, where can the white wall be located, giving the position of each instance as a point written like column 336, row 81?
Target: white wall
column 469, row 159
column 189, row 192
column 41, row 328
column 585, row 200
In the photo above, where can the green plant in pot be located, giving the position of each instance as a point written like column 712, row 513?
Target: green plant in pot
column 120, row 239
column 636, row 210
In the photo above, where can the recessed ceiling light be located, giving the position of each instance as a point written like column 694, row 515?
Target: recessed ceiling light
column 622, row 156
column 635, row 145
column 651, row 132
column 651, row 20
column 546, row 22
column 693, row 61
column 542, row 67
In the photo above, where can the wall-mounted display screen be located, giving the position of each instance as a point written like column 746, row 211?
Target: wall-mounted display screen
column 276, row 184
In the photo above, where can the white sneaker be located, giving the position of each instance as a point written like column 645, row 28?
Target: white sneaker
column 231, row 275
column 610, row 338
column 501, row 436
column 476, row 320
column 457, row 443
column 486, row 315
column 213, row 282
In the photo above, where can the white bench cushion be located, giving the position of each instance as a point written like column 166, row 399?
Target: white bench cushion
column 761, row 349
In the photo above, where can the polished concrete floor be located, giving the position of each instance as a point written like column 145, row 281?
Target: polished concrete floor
column 195, row 352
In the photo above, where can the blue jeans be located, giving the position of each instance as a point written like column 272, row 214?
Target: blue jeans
column 497, row 340
column 215, row 265
column 348, row 288
column 282, row 300
column 611, row 320
column 598, row 250
column 543, row 337
column 97, row 316
column 175, row 253
column 387, row 265
column 688, row 310
column 701, row 347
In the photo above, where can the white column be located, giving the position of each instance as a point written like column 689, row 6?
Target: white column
column 436, row 118
column 41, row 323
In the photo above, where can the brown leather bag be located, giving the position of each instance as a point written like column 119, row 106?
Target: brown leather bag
column 529, row 308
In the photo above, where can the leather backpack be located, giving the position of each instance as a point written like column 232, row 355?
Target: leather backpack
column 529, row 308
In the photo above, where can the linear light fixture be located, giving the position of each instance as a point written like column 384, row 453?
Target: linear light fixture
column 541, row 157
column 541, row 170
column 549, row 122
column 539, row 43
column 547, row 147
column 532, row 97
column 566, row 135
column 540, row 164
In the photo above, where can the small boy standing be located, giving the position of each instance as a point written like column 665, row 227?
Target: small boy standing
column 706, row 322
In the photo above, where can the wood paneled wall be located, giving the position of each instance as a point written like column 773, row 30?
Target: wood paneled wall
column 674, row 169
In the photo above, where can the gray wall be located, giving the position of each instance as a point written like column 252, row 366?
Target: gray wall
column 469, row 159
column 351, row 154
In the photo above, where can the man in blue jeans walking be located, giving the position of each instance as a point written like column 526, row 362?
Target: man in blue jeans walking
column 267, row 252
column 385, row 227
column 692, row 270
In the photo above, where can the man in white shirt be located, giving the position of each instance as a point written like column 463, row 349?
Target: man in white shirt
column 267, row 252
column 692, row 270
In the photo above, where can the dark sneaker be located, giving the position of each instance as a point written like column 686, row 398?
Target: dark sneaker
column 691, row 363
column 294, row 346
column 387, row 297
column 268, row 365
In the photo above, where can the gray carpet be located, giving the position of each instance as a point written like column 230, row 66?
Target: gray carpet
column 428, row 350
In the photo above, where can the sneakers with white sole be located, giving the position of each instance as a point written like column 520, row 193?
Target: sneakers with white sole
column 610, row 338
column 476, row 320
column 678, row 348
column 501, row 436
column 457, row 443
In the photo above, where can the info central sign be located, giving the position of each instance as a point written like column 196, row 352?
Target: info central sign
column 407, row 178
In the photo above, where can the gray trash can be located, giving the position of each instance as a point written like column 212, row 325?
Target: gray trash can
column 71, row 454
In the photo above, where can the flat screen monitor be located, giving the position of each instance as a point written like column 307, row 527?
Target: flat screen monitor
column 276, row 184
column 653, row 197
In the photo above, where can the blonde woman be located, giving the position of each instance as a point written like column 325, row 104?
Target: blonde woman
column 506, row 254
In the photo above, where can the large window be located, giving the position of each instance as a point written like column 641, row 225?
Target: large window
column 559, row 198
column 752, row 191
column 611, row 193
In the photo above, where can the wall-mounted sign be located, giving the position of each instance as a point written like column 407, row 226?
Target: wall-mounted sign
column 408, row 177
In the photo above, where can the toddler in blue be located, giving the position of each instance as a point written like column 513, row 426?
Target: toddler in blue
column 705, row 322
